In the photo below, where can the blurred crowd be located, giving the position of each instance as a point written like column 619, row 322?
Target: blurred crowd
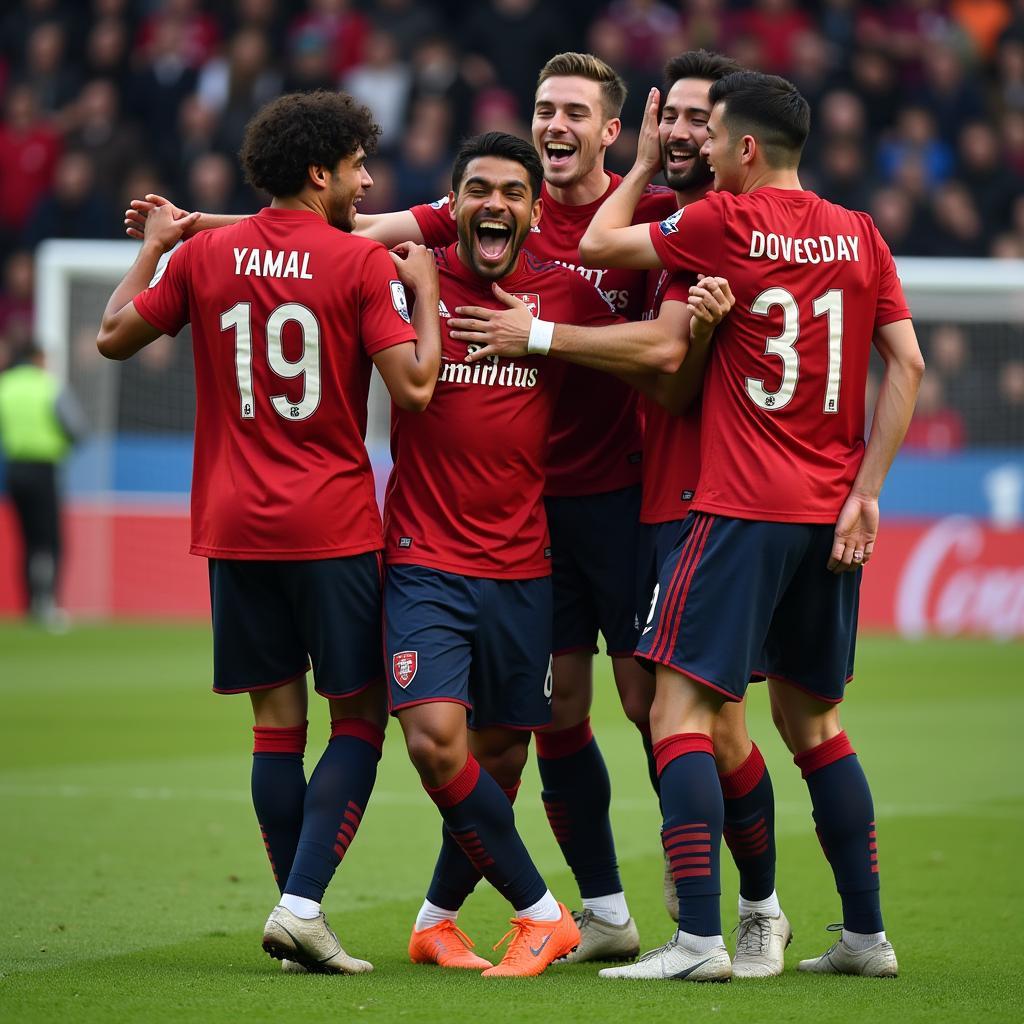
column 918, row 107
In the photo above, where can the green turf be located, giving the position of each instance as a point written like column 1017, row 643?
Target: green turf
column 136, row 885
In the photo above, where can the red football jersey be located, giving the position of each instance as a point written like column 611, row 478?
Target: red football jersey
column 286, row 312
column 466, row 493
column 671, row 443
column 782, row 434
column 595, row 439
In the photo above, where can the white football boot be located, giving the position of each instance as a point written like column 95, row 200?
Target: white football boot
column 602, row 940
column 674, row 962
column 761, row 943
column 310, row 942
column 877, row 961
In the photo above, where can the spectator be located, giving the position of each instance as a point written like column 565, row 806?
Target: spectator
column 959, row 226
column 898, row 223
column 513, row 39
column 213, row 185
column 161, row 85
column 950, row 96
column 236, row 85
column 383, row 82
column 17, row 297
column 438, row 73
column 935, row 429
column 197, row 32
column 30, row 150
column 1005, row 423
column 107, row 52
column 777, row 24
column 335, row 26
column 873, row 79
column 409, row 21
column 52, row 78
column 310, row 61
column 844, row 177
column 965, row 380
column 95, row 127
column 981, row 170
column 76, row 208
column 642, row 24
column 915, row 137
column 1010, row 66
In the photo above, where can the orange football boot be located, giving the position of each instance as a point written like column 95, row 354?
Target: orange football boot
column 446, row 945
column 534, row 945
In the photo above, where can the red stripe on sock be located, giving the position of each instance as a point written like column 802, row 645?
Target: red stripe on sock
column 691, row 873
column 271, row 739
column 459, row 788
column 564, row 742
column 512, row 791
column 742, row 780
column 360, row 729
column 824, row 754
column 671, row 747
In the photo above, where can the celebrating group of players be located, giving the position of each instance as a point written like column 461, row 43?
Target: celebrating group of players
column 617, row 409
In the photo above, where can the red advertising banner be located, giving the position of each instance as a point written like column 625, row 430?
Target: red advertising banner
column 928, row 577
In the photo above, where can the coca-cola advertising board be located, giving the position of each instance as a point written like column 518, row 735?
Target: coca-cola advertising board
column 956, row 575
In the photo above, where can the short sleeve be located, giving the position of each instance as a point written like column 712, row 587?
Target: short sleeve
column 590, row 306
column 385, row 319
column 892, row 303
column 691, row 238
column 677, row 288
column 164, row 304
column 436, row 223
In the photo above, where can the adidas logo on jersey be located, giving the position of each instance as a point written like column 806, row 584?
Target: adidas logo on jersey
column 442, row 309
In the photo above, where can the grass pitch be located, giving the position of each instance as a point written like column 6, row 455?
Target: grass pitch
column 136, row 884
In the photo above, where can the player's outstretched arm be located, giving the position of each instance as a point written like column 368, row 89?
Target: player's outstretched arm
column 389, row 229
column 612, row 240
column 645, row 346
column 653, row 355
column 123, row 331
column 140, row 209
column 857, row 525
column 410, row 370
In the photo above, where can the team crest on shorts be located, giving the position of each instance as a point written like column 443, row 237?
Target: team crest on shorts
column 531, row 300
column 403, row 667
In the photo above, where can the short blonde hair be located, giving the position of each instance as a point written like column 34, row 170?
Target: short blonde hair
column 586, row 65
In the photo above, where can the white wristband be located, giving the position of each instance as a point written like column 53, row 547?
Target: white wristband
column 539, row 342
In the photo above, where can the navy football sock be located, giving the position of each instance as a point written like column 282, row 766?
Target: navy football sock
column 479, row 817
column 577, row 795
column 691, row 802
column 336, row 798
column 844, row 816
column 278, row 791
column 455, row 875
column 652, row 765
column 749, row 828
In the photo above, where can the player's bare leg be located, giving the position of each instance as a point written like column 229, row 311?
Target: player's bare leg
column 845, row 821
column 479, row 818
column 577, row 798
column 332, row 809
column 763, row 932
column 682, row 722
column 435, row 938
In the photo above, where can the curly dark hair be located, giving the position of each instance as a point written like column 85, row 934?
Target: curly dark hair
column 298, row 130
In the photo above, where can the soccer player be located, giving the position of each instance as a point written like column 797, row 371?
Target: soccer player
column 592, row 493
column 289, row 312
column 468, row 597
column 671, row 469
column 765, row 578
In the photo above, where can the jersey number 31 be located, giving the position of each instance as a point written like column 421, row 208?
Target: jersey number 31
column 830, row 304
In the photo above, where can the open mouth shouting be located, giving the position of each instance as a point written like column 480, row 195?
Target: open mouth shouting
column 559, row 154
column 492, row 238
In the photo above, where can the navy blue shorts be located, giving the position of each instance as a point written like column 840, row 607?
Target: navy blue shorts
column 738, row 599
column 482, row 643
column 656, row 543
column 271, row 619
column 593, row 570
